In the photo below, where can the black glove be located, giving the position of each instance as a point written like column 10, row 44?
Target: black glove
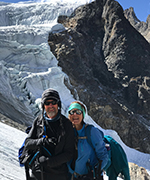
column 50, row 141
column 43, row 160
column 40, row 141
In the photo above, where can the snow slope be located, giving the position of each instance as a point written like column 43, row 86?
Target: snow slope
column 11, row 139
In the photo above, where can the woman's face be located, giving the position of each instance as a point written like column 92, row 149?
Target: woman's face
column 76, row 116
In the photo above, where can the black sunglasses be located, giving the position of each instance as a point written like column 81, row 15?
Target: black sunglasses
column 54, row 102
column 75, row 111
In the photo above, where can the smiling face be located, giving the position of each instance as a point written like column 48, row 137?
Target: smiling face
column 76, row 118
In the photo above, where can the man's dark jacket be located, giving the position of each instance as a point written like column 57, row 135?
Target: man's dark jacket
column 61, row 153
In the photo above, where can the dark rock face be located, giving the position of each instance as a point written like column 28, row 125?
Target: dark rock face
column 108, row 64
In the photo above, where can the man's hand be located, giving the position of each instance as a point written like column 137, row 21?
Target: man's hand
column 43, row 160
column 40, row 141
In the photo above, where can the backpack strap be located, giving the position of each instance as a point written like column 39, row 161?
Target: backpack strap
column 97, row 169
column 88, row 134
column 83, row 137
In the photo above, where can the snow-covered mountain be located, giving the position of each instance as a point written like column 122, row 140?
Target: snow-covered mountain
column 27, row 67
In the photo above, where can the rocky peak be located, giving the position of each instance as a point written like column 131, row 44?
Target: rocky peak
column 140, row 26
column 130, row 15
column 148, row 21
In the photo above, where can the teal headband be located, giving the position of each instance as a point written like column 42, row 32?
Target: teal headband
column 77, row 106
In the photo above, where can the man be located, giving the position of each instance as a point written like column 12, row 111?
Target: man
column 52, row 134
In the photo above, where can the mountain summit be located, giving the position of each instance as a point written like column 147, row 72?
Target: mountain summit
column 142, row 27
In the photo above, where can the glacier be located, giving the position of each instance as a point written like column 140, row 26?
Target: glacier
column 27, row 68
column 27, row 65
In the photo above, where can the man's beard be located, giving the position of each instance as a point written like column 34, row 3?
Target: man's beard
column 51, row 114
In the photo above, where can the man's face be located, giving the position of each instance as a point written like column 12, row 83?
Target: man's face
column 51, row 108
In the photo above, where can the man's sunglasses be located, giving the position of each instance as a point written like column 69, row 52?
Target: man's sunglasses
column 75, row 111
column 54, row 102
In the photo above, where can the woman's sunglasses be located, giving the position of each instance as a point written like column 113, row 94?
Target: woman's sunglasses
column 54, row 102
column 75, row 111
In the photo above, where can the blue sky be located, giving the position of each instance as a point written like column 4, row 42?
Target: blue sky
column 141, row 7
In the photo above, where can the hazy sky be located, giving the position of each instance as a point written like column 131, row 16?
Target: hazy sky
column 141, row 7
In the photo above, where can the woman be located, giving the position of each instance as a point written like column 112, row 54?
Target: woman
column 87, row 162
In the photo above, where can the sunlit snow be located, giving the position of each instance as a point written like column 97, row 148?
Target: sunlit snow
column 10, row 140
